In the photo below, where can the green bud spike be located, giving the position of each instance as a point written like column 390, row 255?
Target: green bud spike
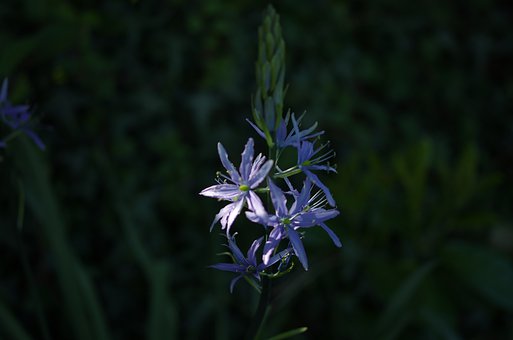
column 270, row 76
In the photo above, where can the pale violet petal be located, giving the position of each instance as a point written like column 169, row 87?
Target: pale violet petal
column 321, row 186
column 247, row 160
column 332, row 234
column 237, row 207
column 278, row 199
column 223, row 155
column 257, row 177
column 273, row 241
column 221, row 191
column 298, row 247
column 234, row 281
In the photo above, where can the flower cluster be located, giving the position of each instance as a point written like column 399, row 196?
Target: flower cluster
column 289, row 212
column 17, row 118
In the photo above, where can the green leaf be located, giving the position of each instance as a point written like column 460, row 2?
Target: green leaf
column 487, row 272
column 289, row 334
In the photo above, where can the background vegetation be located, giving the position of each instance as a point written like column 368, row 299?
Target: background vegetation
column 132, row 97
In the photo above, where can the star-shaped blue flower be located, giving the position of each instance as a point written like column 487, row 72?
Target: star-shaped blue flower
column 16, row 117
column 247, row 266
column 239, row 186
column 294, row 136
column 305, row 212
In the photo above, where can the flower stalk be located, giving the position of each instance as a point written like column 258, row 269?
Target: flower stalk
column 288, row 213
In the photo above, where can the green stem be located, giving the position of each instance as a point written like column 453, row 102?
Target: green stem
column 261, row 312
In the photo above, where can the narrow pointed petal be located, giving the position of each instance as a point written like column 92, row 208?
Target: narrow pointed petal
column 313, row 177
column 273, row 241
column 305, row 152
column 323, row 168
column 278, row 199
column 257, row 177
column 234, row 281
column 222, row 191
column 16, row 110
column 295, row 126
column 35, row 138
column 306, row 132
column 260, row 132
column 222, row 214
column 278, row 257
column 223, row 155
column 298, row 247
column 281, row 133
column 246, row 159
column 332, row 234
column 236, row 252
column 252, row 251
column 237, row 207
column 229, row 267
column 3, row 91
column 315, row 217
column 303, row 197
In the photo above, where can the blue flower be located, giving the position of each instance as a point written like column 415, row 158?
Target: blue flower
column 239, row 187
column 292, row 138
column 247, row 266
column 305, row 212
column 16, row 117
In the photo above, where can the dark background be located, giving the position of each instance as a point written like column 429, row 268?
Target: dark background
column 131, row 98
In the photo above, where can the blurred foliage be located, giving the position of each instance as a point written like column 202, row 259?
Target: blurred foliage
column 132, row 97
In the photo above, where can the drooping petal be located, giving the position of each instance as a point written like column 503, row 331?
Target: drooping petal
column 223, row 155
column 237, row 207
column 234, row 281
column 333, row 236
column 222, row 191
column 246, row 160
column 259, row 175
column 273, row 241
column 252, row 251
column 35, row 138
column 222, row 215
column 278, row 199
column 313, row 177
column 297, row 245
column 256, row 206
